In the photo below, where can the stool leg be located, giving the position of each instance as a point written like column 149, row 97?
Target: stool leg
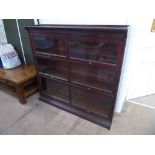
column 21, row 94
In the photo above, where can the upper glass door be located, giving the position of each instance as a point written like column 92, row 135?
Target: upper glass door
column 50, row 45
column 104, row 52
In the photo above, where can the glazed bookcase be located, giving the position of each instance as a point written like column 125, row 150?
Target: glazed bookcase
column 79, row 67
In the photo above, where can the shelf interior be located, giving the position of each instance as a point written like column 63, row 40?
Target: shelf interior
column 56, row 89
column 54, row 68
column 92, row 77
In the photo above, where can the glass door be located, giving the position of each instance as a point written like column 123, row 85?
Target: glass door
column 92, row 102
column 54, row 68
column 50, row 45
column 54, row 89
column 92, row 76
column 101, row 51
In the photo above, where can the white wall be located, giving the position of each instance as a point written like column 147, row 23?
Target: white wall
column 1, row 22
column 135, row 79
column 2, row 32
column 143, row 74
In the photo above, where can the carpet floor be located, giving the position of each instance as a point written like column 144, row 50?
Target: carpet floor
column 148, row 101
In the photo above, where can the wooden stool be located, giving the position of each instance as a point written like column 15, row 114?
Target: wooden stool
column 22, row 78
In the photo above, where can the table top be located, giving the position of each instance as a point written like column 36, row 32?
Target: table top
column 18, row 75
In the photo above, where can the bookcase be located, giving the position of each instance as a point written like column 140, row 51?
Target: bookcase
column 79, row 67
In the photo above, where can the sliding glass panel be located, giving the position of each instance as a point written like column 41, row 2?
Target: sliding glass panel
column 55, row 68
column 47, row 44
column 92, row 76
column 91, row 102
column 95, row 51
column 56, row 90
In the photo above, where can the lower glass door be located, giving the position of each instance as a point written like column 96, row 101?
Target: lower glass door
column 54, row 89
column 92, row 102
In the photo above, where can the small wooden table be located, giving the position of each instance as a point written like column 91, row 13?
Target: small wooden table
column 22, row 78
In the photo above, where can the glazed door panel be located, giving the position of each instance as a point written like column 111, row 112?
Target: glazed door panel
column 54, row 68
column 92, row 76
column 54, row 89
column 50, row 45
column 91, row 102
column 99, row 51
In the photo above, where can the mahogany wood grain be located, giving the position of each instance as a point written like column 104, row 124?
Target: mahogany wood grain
column 79, row 67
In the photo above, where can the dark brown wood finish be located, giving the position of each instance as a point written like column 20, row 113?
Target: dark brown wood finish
column 79, row 67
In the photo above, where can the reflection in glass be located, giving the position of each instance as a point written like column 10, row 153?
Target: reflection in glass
column 92, row 76
column 102, row 52
column 49, row 45
column 55, row 68
column 91, row 102
column 55, row 89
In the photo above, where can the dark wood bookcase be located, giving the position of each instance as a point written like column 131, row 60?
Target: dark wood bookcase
column 79, row 67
